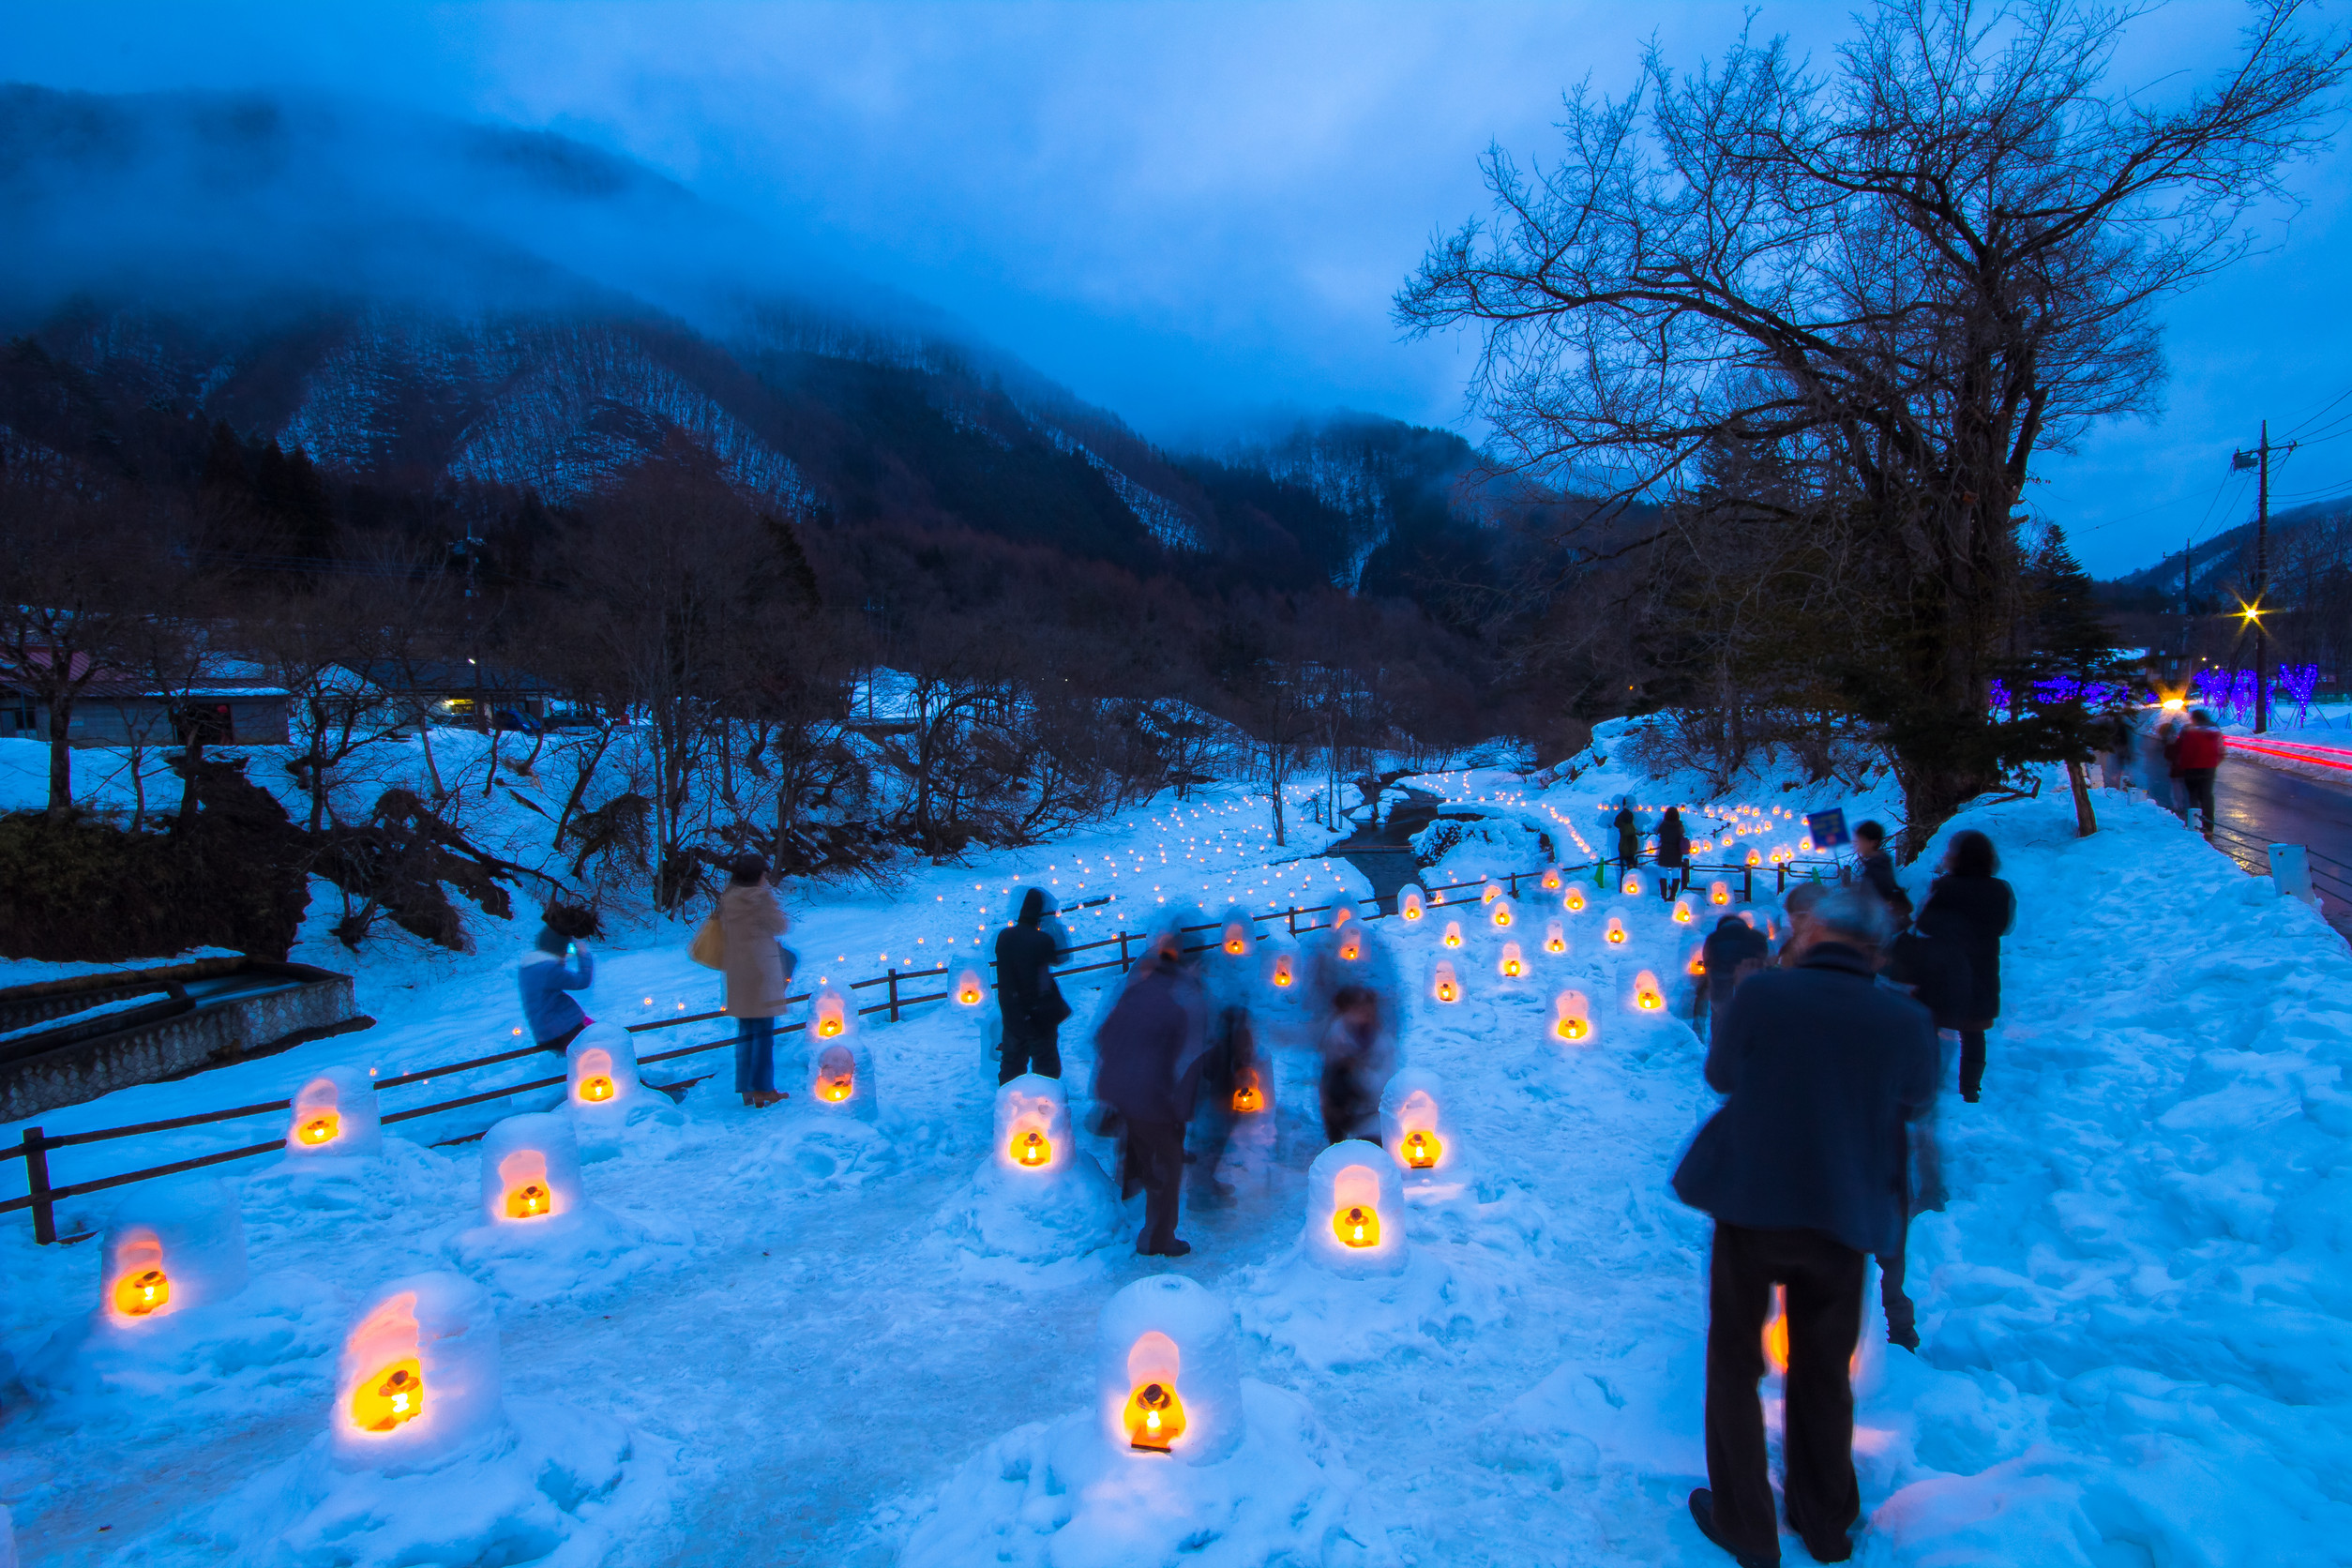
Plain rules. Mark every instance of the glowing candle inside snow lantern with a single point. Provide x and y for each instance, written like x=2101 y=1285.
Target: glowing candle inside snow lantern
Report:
x=970 y=992
x=596 y=1074
x=1350 y=948
x=1631 y=885
x=1421 y=1150
x=1697 y=966
x=334 y=1115
x=1248 y=1097
x=1572 y=900
x=1513 y=966
x=1031 y=1149
x=136 y=1295
x=1155 y=1417
x=1282 y=975
x=1616 y=930
x=1551 y=879
x=1501 y=915
x=1357 y=1224
x=1489 y=893
x=390 y=1397
x=831 y=1016
x=1719 y=893
x=1446 y=988
x=837 y=1073
x=1683 y=915
x=1755 y=859
x=1572 y=1016
x=1454 y=933
x=319 y=1127
x=1646 y=993
x=1236 y=938
x=523 y=1176
x=1556 y=938
x=1409 y=904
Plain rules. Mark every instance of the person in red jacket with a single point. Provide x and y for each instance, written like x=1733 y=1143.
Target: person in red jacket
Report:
x=2199 y=756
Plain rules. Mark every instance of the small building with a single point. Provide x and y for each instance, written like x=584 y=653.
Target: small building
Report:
x=461 y=692
x=226 y=708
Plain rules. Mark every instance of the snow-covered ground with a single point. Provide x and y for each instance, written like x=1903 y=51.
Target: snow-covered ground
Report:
x=786 y=1342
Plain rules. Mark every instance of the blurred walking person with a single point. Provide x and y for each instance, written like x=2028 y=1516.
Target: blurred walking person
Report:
x=1733 y=951
x=2199 y=756
x=1878 y=871
x=1973 y=909
x=1357 y=1062
x=1628 y=836
x=2118 y=741
x=1802 y=1169
x=1028 y=996
x=1149 y=1053
x=758 y=976
x=2168 y=735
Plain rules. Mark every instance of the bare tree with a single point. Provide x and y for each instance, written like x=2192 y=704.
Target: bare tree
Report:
x=1913 y=273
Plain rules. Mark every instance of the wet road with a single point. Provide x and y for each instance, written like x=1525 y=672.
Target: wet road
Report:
x=2255 y=807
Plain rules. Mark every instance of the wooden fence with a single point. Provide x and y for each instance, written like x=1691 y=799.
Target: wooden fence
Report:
x=32 y=1148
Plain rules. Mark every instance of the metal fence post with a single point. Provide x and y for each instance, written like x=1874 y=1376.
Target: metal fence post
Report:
x=36 y=1183
x=1294 y=920
x=1122 y=950
x=1747 y=889
x=894 y=996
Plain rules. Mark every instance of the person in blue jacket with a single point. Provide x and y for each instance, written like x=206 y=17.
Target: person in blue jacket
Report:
x=555 y=966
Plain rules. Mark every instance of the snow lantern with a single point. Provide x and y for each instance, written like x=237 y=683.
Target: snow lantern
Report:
x=1511 y=966
x=600 y=1069
x=1350 y=946
x=1412 y=1127
x=419 y=1377
x=1032 y=1126
x=1411 y=903
x=1632 y=886
x=971 y=989
x=1282 y=974
x=335 y=1114
x=1501 y=915
x=841 y=1078
x=1572 y=900
x=1683 y=915
x=1454 y=933
x=1443 y=984
x=1488 y=890
x=1355 y=1211
x=1755 y=859
x=1239 y=936
x=830 y=1014
x=1616 y=931
x=1719 y=893
x=169 y=1247
x=1555 y=937
x=1647 y=997
x=1551 y=879
x=1253 y=1091
x=1572 y=1017
x=1169 y=1367
x=529 y=1169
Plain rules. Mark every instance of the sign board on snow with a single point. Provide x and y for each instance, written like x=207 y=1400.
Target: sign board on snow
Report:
x=1828 y=828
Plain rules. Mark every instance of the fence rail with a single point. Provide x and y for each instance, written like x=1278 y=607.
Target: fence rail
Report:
x=34 y=1147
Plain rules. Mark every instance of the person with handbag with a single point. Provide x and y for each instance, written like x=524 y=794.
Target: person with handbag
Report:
x=1027 y=994
x=747 y=926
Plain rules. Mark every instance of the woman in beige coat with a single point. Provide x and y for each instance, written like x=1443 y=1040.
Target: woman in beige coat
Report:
x=751 y=921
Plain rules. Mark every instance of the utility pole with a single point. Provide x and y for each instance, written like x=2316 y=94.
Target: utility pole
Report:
x=2260 y=459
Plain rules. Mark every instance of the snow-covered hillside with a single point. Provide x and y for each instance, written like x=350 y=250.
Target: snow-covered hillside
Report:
x=2136 y=1312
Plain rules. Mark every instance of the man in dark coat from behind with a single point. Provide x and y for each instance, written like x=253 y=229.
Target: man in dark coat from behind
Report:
x=1734 y=950
x=1028 y=998
x=1803 y=1169
x=1150 y=1051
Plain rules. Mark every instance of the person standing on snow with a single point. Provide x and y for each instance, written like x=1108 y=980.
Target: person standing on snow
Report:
x=1027 y=994
x=1149 y=1053
x=758 y=979
x=1628 y=838
x=2118 y=741
x=2168 y=735
x=2199 y=757
x=1878 y=871
x=1733 y=951
x=1802 y=1169
x=1673 y=843
x=554 y=965
x=1972 y=908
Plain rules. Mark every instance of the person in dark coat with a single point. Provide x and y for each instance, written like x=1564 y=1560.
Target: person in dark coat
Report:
x=1673 y=843
x=1027 y=995
x=1149 y=1053
x=1628 y=838
x=1878 y=871
x=1802 y=1171
x=1734 y=950
x=1971 y=908
x=1357 y=1063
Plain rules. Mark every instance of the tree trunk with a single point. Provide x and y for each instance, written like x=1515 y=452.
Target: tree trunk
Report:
x=2085 y=822
x=60 y=756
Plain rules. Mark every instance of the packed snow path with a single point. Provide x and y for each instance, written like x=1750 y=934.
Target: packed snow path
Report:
x=2135 y=1311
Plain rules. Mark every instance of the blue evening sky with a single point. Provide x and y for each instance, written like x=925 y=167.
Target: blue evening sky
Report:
x=1196 y=214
